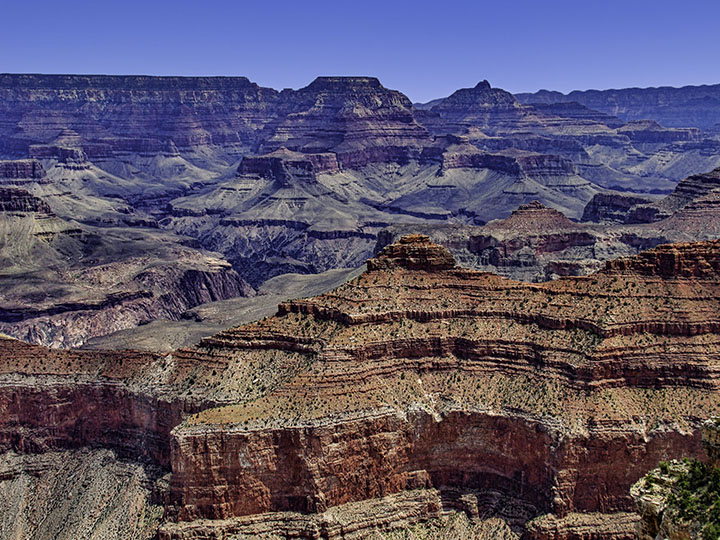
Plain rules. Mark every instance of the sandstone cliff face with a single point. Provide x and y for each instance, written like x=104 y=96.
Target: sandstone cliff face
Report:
x=387 y=444
x=414 y=381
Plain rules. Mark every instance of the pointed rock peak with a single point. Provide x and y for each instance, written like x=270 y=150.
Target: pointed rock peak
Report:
x=533 y=217
x=284 y=153
x=413 y=252
x=481 y=95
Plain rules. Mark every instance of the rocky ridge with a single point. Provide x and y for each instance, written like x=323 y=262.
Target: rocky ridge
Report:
x=537 y=243
x=695 y=106
x=419 y=387
x=625 y=208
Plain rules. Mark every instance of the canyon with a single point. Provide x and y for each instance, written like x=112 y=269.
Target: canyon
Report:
x=415 y=390
x=241 y=183
x=328 y=312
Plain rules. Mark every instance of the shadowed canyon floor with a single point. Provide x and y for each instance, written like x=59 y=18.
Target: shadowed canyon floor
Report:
x=416 y=389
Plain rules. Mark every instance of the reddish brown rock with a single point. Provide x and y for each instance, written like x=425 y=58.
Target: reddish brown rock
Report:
x=413 y=252
x=506 y=398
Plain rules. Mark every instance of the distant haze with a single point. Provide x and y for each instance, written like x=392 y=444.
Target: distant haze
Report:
x=424 y=49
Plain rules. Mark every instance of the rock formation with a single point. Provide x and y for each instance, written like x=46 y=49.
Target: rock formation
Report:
x=689 y=106
x=64 y=282
x=626 y=208
x=303 y=180
x=416 y=389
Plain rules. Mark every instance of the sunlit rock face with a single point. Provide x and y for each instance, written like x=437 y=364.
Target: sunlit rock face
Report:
x=417 y=388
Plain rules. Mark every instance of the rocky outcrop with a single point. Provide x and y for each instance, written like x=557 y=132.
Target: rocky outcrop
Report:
x=537 y=243
x=413 y=252
x=614 y=208
x=303 y=180
x=405 y=437
x=355 y=117
x=678 y=499
x=283 y=164
x=190 y=111
x=489 y=109
x=67 y=495
x=15 y=171
x=650 y=132
x=153 y=291
x=692 y=261
x=14 y=199
x=574 y=110
x=64 y=283
x=586 y=526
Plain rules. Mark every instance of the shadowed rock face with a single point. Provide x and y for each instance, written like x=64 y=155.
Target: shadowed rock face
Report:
x=64 y=282
x=189 y=110
x=356 y=117
x=21 y=169
x=18 y=200
x=622 y=208
x=416 y=388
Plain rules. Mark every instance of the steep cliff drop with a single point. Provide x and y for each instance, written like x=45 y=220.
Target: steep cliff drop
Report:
x=415 y=390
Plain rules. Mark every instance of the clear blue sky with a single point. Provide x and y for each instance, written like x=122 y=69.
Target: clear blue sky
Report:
x=425 y=49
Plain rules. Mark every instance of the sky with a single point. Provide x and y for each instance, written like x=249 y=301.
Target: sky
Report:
x=424 y=49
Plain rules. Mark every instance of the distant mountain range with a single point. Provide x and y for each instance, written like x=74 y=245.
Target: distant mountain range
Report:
x=689 y=106
x=267 y=182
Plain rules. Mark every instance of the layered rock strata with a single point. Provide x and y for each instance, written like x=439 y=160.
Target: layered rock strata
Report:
x=674 y=107
x=361 y=420
x=625 y=208
x=418 y=375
